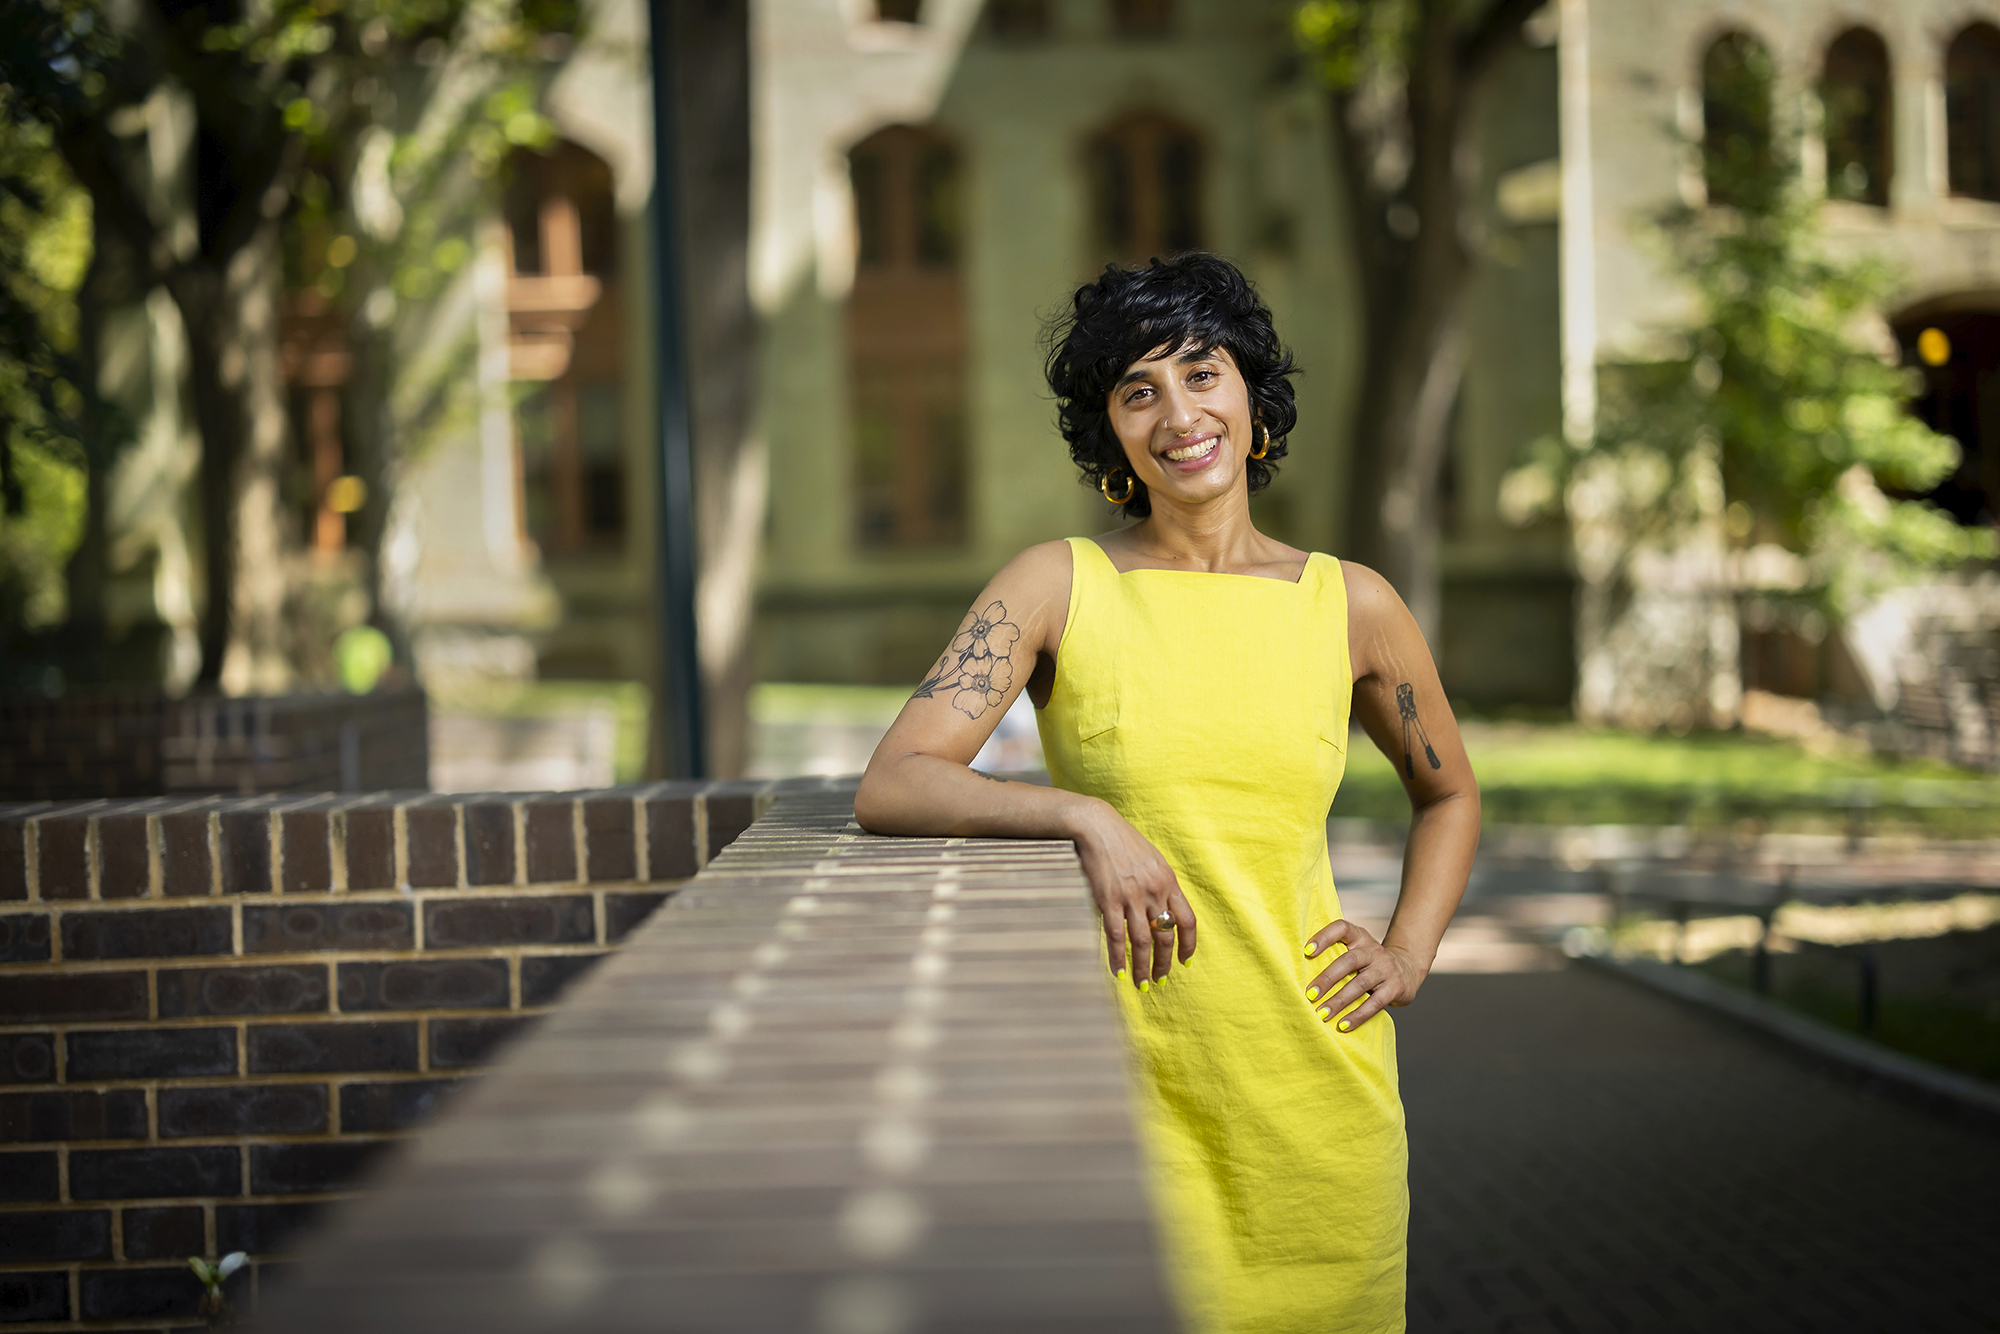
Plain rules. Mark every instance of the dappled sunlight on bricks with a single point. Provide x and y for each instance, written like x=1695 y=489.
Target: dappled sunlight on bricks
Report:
x=838 y=1078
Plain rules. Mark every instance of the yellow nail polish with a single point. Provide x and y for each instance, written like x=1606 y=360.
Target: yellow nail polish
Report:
x=1343 y=1025
x=1311 y=949
x=1326 y=1014
x=1121 y=974
x=1312 y=993
x=1145 y=987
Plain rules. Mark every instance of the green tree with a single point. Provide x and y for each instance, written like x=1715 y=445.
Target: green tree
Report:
x=1405 y=78
x=45 y=398
x=1777 y=415
x=377 y=100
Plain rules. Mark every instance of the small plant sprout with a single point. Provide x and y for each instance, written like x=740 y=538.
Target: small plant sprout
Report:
x=213 y=1304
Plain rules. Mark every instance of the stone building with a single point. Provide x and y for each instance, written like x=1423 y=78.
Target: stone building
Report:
x=929 y=180
x=1895 y=105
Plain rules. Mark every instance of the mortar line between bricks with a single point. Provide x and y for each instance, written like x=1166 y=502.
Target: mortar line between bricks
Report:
x=169 y=1201
x=59 y=1029
x=226 y=963
x=698 y=810
x=215 y=852
x=519 y=809
x=91 y=859
x=31 y=857
x=155 y=870
x=275 y=831
x=399 y=843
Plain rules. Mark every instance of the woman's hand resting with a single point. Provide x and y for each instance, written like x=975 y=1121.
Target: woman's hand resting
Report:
x=1385 y=974
x=1132 y=884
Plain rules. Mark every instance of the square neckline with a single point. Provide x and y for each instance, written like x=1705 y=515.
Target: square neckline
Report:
x=1299 y=582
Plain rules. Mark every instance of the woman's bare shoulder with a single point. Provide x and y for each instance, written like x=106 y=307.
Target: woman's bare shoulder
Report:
x=1044 y=560
x=1369 y=595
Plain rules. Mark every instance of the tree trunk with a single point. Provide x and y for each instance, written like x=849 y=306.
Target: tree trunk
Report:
x=370 y=435
x=1414 y=248
x=230 y=305
x=731 y=469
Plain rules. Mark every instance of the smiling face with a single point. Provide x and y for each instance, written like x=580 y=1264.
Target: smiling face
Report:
x=1183 y=420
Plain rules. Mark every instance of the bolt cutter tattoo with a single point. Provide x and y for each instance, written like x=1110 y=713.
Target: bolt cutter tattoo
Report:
x=977 y=668
x=1406 y=704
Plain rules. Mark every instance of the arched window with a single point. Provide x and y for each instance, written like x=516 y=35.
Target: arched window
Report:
x=1972 y=111
x=566 y=343
x=1854 y=96
x=1146 y=188
x=906 y=341
x=1736 y=119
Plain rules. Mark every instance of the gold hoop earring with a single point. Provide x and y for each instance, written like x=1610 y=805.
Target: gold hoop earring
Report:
x=1104 y=485
x=1264 y=448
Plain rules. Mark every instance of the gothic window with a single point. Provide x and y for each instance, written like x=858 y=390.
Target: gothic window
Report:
x=1142 y=18
x=1972 y=112
x=906 y=342
x=1854 y=96
x=1736 y=119
x=1146 y=185
x=566 y=350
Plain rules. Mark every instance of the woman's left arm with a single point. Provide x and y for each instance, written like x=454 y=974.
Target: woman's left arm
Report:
x=1399 y=702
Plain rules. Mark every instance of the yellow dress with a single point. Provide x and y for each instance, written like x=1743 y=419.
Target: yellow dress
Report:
x=1211 y=710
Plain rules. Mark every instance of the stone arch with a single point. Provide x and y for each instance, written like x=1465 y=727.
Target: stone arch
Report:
x=1146 y=179
x=1972 y=111
x=1738 y=145
x=906 y=341
x=566 y=346
x=1857 y=123
x=1953 y=340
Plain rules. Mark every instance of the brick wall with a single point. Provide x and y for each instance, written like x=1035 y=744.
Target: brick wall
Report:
x=127 y=744
x=215 y=1013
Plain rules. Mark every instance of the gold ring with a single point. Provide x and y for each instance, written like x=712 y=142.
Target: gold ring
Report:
x=1164 y=922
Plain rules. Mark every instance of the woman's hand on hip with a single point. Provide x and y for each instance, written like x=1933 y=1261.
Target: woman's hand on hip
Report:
x=1384 y=974
x=1132 y=886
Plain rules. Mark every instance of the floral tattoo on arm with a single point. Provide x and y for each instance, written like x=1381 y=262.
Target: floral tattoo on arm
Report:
x=977 y=668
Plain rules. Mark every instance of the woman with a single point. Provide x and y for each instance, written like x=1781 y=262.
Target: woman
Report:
x=1194 y=680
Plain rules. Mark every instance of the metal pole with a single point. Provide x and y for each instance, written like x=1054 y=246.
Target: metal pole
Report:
x=678 y=713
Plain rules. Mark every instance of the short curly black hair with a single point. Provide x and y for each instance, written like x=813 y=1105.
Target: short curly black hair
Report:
x=1193 y=299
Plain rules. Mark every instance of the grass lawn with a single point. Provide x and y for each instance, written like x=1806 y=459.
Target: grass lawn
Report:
x=1555 y=773
x=1564 y=773
x=1938 y=1017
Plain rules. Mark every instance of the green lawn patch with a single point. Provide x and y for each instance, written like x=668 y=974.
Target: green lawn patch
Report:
x=1565 y=773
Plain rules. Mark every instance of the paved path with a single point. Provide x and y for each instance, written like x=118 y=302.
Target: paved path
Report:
x=1588 y=1156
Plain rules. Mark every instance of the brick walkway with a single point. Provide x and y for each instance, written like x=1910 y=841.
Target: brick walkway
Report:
x=1587 y=1156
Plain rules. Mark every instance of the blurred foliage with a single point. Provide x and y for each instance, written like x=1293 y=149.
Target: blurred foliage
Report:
x=1572 y=774
x=1785 y=386
x=1354 y=41
x=44 y=251
x=369 y=128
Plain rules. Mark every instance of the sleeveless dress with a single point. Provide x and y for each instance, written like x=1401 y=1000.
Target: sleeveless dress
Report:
x=1211 y=711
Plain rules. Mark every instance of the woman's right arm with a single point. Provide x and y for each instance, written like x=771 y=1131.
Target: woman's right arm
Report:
x=920 y=783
